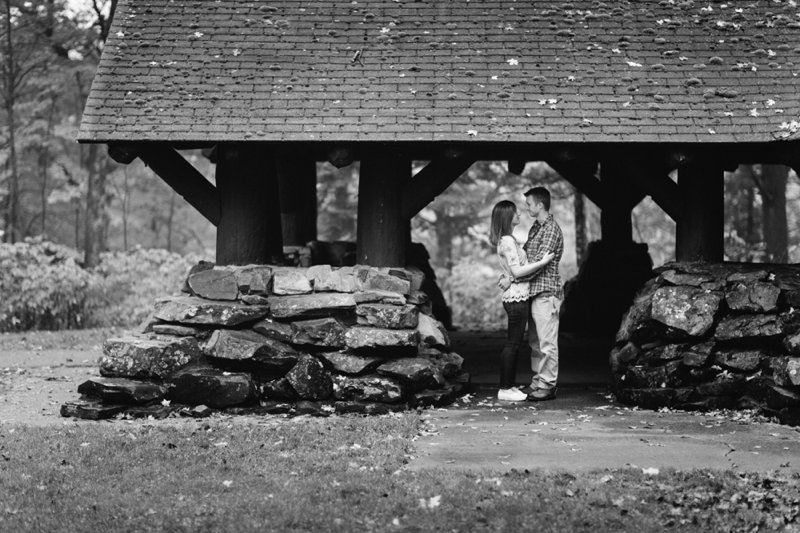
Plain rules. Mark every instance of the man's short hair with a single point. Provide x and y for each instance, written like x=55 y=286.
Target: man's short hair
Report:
x=540 y=195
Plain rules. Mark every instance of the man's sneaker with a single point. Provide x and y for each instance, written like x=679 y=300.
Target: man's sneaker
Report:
x=540 y=395
x=511 y=395
x=527 y=389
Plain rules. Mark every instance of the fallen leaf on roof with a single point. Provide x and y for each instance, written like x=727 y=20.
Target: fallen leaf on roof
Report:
x=513 y=62
x=633 y=64
x=472 y=133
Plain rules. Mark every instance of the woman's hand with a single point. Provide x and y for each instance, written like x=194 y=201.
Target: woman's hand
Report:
x=547 y=257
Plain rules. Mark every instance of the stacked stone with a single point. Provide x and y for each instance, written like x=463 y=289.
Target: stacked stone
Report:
x=709 y=336
x=270 y=339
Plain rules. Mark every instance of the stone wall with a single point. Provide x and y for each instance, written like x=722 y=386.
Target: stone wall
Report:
x=709 y=336
x=271 y=339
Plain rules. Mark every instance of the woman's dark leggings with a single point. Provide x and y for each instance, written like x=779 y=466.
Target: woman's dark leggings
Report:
x=517 y=320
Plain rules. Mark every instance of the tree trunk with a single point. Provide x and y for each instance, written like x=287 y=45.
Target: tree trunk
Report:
x=773 y=195
x=581 y=238
x=12 y=230
x=170 y=220
x=96 y=220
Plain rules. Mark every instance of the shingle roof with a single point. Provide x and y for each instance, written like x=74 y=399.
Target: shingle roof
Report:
x=484 y=70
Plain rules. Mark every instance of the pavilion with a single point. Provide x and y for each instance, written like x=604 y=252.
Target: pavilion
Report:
x=614 y=96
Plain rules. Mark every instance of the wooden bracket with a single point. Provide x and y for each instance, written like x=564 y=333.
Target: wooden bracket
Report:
x=430 y=182
x=581 y=173
x=184 y=179
x=516 y=166
x=654 y=181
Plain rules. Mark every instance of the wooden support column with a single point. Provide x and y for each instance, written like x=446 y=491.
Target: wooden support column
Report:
x=249 y=229
x=699 y=233
x=297 y=182
x=382 y=232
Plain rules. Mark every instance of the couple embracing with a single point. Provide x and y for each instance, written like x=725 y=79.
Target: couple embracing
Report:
x=531 y=293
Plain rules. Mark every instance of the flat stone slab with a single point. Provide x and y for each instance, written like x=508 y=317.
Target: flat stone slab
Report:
x=388 y=316
x=290 y=281
x=147 y=357
x=179 y=331
x=280 y=331
x=347 y=363
x=416 y=372
x=251 y=347
x=383 y=297
x=214 y=284
x=371 y=388
x=91 y=409
x=252 y=279
x=448 y=363
x=310 y=379
x=735 y=327
x=190 y=310
x=686 y=309
x=122 y=390
x=754 y=297
x=311 y=305
x=210 y=386
x=368 y=279
x=432 y=333
x=367 y=338
x=326 y=279
x=320 y=332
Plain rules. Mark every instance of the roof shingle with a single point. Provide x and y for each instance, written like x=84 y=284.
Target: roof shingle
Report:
x=461 y=70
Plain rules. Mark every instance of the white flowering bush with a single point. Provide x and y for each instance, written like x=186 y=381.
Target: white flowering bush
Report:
x=125 y=284
x=43 y=286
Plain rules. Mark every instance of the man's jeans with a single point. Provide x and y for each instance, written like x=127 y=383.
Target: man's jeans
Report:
x=543 y=338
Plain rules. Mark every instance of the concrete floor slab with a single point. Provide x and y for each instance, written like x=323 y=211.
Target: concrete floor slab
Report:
x=584 y=430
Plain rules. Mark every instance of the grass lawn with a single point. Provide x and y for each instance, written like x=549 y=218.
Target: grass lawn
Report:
x=340 y=474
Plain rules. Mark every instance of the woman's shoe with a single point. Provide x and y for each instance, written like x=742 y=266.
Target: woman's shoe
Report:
x=511 y=395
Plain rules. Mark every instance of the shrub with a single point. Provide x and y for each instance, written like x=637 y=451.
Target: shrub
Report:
x=42 y=286
x=126 y=284
x=472 y=291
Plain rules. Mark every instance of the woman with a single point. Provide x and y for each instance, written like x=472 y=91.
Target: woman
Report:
x=516 y=299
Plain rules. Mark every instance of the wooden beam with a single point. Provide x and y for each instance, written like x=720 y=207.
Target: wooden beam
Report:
x=297 y=183
x=581 y=173
x=430 y=182
x=249 y=229
x=699 y=235
x=382 y=232
x=186 y=180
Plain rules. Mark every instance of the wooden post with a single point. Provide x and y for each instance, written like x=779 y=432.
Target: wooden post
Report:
x=382 y=232
x=699 y=234
x=297 y=182
x=249 y=229
x=616 y=227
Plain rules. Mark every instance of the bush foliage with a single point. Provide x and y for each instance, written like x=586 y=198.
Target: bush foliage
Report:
x=43 y=286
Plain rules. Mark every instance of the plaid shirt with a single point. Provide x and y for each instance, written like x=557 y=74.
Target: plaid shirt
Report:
x=542 y=238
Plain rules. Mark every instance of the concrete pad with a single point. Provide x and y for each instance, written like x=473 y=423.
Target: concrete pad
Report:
x=584 y=430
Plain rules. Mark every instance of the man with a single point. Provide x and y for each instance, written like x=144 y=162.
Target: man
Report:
x=546 y=295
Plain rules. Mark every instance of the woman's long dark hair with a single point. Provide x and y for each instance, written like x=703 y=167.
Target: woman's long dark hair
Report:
x=502 y=216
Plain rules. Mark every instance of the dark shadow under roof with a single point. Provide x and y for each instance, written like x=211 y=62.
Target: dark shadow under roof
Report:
x=456 y=70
